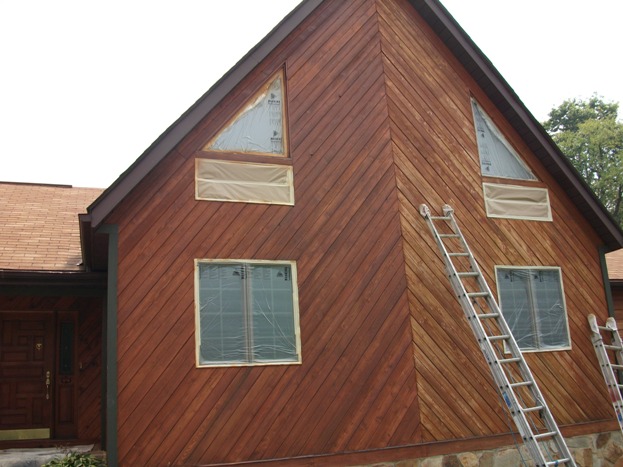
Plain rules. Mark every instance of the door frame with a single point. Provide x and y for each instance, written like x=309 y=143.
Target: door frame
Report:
x=61 y=384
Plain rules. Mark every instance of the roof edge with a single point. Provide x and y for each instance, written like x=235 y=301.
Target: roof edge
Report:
x=497 y=89
x=173 y=135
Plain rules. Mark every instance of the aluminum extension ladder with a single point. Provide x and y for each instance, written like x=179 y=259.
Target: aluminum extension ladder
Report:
x=513 y=378
x=610 y=355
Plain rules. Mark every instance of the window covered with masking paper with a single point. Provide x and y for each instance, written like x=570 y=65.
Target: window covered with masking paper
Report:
x=497 y=156
x=532 y=302
x=259 y=128
x=247 y=313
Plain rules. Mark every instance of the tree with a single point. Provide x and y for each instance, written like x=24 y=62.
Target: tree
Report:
x=588 y=133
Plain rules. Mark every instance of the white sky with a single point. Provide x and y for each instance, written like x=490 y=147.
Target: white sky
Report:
x=86 y=87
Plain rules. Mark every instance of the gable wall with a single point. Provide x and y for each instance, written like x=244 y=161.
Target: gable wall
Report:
x=379 y=122
x=435 y=152
x=356 y=386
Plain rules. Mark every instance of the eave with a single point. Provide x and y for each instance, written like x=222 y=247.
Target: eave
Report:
x=52 y=283
x=464 y=49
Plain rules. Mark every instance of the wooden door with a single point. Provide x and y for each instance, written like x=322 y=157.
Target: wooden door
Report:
x=26 y=371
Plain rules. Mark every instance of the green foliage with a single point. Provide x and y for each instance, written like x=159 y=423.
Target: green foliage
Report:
x=76 y=459
x=588 y=133
x=571 y=113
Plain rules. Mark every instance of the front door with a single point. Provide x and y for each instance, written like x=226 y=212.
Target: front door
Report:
x=27 y=345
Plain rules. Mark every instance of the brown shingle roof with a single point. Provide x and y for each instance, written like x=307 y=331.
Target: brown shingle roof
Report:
x=39 y=228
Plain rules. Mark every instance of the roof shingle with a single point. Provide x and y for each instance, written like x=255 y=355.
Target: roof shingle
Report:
x=39 y=226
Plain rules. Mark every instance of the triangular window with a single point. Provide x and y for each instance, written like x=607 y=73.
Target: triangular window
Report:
x=259 y=128
x=497 y=156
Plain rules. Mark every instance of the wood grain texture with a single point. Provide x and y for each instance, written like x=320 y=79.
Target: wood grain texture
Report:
x=379 y=121
x=88 y=352
x=355 y=388
x=437 y=162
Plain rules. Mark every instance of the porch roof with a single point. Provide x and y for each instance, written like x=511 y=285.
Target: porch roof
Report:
x=40 y=229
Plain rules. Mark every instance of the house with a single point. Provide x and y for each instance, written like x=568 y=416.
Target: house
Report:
x=272 y=294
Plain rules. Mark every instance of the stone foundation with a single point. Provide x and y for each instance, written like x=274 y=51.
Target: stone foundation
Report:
x=596 y=450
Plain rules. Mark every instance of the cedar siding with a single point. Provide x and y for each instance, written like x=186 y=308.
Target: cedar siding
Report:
x=379 y=121
x=355 y=389
x=436 y=156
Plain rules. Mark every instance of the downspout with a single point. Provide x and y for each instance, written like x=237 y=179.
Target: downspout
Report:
x=604 y=273
x=110 y=340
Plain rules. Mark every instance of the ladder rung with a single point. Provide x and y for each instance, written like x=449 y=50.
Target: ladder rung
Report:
x=449 y=236
x=467 y=274
x=549 y=434
x=617 y=367
x=487 y=315
x=520 y=384
x=501 y=337
x=612 y=347
x=509 y=360
x=532 y=409
x=458 y=254
x=440 y=218
x=477 y=294
x=558 y=461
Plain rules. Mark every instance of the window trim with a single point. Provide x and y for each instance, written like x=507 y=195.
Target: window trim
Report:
x=474 y=104
x=279 y=74
x=295 y=312
x=564 y=302
x=259 y=197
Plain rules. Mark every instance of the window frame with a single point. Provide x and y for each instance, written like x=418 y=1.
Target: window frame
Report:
x=532 y=311
x=257 y=187
x=240 y=111
x=516 y=188
x=295 y=312
x=475 y=105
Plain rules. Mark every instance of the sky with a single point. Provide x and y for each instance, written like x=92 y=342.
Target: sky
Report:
x=86 y=86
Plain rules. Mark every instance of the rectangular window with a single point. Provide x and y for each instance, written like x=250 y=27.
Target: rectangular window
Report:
x=247 y=312
x=533 y=305
x=517 y=202
x=243 y=182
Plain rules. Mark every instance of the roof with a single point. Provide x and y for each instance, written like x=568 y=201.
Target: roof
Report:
x=40 y=230
x=464 y=49
x=615 y=265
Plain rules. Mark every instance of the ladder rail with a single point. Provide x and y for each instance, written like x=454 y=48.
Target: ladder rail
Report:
x=606 y=365
x=507 y=388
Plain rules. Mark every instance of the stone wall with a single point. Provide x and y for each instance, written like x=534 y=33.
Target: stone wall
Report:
x=596 y=450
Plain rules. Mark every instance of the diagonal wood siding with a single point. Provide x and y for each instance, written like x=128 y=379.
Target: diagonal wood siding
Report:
x=356 y=387
x=379 y=121
x=436 y=157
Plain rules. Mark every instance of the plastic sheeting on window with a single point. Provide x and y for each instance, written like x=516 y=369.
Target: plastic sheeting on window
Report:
x=259 y=128
x=533 y=305
x=497 y=156
x=517 y=202
x=243 y=182
x=248 y=314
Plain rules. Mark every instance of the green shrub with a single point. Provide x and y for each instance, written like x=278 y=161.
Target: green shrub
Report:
x=76 y=459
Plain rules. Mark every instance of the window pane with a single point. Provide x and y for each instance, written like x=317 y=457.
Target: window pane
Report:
x=259 y=127
x=497 y=156
x=550 y=315
x=246 y=313
x=516 y=305
x=272 y=313
x=221 y=314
